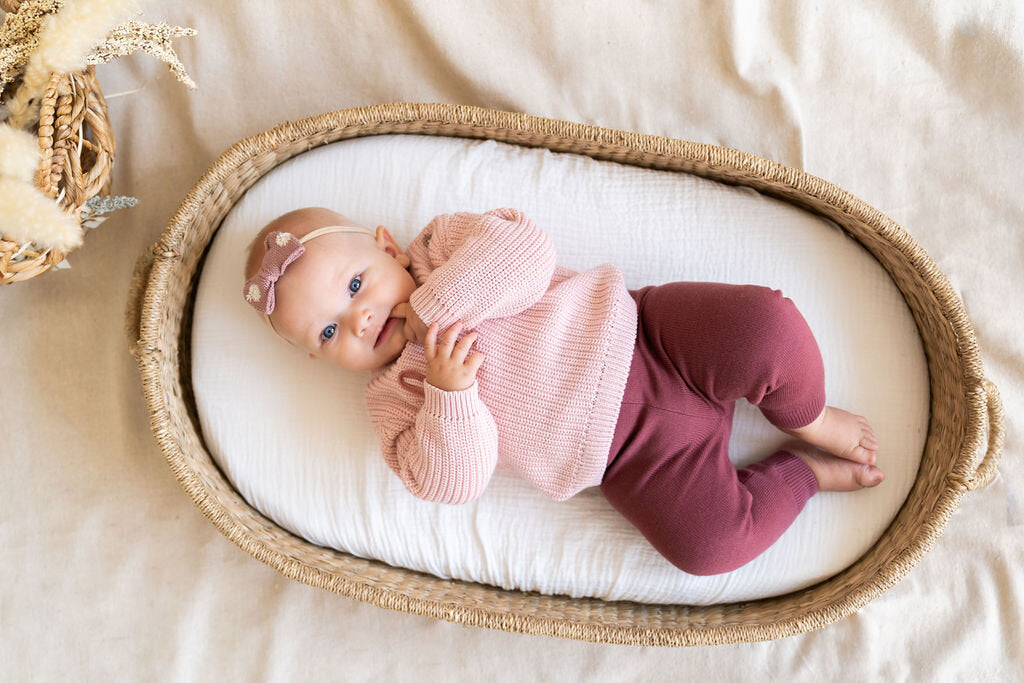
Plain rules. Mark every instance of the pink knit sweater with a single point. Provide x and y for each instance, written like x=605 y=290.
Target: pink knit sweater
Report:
x=558 y=346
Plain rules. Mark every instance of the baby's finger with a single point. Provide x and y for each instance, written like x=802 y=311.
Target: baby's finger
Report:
x=475 y=361
x=449 y=339
x=430 y=342
x=462 y=348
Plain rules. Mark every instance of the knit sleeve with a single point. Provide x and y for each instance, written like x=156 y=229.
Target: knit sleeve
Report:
x=491 y=265
x=448 y=454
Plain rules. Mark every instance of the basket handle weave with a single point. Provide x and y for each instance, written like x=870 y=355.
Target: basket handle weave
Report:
x=986 y=469
x=133 y=306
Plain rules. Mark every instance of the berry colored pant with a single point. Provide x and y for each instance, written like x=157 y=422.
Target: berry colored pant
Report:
x=701 y=346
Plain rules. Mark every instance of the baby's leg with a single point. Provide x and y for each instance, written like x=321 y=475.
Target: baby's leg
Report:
x=701 y=347
x=740 y=341
x=691 y=504
x=749 y=341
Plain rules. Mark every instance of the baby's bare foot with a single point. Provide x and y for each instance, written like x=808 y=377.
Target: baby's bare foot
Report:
x=842 y=434
x=832 y=473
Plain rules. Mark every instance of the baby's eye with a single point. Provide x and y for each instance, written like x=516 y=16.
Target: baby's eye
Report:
x=328 y=332
x=357 y=281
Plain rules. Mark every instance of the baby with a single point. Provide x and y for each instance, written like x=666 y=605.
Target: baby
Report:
x=481 y=349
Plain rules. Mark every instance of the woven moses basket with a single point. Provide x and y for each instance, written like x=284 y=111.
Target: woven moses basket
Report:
x=960 y=454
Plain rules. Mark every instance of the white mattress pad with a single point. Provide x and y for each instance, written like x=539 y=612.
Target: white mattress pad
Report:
x=295 y=439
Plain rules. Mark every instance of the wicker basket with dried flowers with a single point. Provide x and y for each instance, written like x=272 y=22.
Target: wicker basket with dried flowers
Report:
x=55 y=187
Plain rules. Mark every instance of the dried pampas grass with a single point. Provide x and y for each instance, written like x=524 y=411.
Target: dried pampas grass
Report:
x=26 y=214
x=65 y=39
x=19 y=154
x=30 y=216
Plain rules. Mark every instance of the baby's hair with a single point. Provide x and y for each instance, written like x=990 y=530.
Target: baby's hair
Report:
x=299 y=222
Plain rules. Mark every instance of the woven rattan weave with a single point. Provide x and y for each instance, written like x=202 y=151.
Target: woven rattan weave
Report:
x=961 y=453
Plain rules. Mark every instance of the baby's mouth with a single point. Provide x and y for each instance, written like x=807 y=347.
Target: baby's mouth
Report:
x=385 y=330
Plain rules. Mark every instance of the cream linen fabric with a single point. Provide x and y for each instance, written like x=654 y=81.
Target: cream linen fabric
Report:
x=295 y=438
x=110 y=572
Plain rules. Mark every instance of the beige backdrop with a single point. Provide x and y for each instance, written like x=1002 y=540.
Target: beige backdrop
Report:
x=109 y=571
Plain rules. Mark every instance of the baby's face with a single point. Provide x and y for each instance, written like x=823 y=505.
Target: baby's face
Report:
x=336 y=299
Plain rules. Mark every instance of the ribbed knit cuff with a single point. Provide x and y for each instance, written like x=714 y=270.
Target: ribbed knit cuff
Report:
x=797 y=474
x=451 y=404
x=429 y=309
x=794 y=419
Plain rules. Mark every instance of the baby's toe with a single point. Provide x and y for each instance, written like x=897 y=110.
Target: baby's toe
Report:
x=861 y=455
x=868 y=476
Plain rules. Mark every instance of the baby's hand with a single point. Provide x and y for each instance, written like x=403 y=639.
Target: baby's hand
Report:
x=414 y=329
x=447 y=367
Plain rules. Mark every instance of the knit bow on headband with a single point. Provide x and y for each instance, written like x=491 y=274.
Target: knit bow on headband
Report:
x=282 y=249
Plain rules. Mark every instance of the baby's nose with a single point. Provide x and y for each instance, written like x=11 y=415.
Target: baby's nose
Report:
x=362 y=321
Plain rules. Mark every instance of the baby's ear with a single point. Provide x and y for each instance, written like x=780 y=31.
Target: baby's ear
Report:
x=393 y=248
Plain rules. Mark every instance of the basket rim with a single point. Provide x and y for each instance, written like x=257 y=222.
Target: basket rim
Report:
x=720 y=163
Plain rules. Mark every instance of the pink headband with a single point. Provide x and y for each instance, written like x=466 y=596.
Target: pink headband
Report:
x=282 y=249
